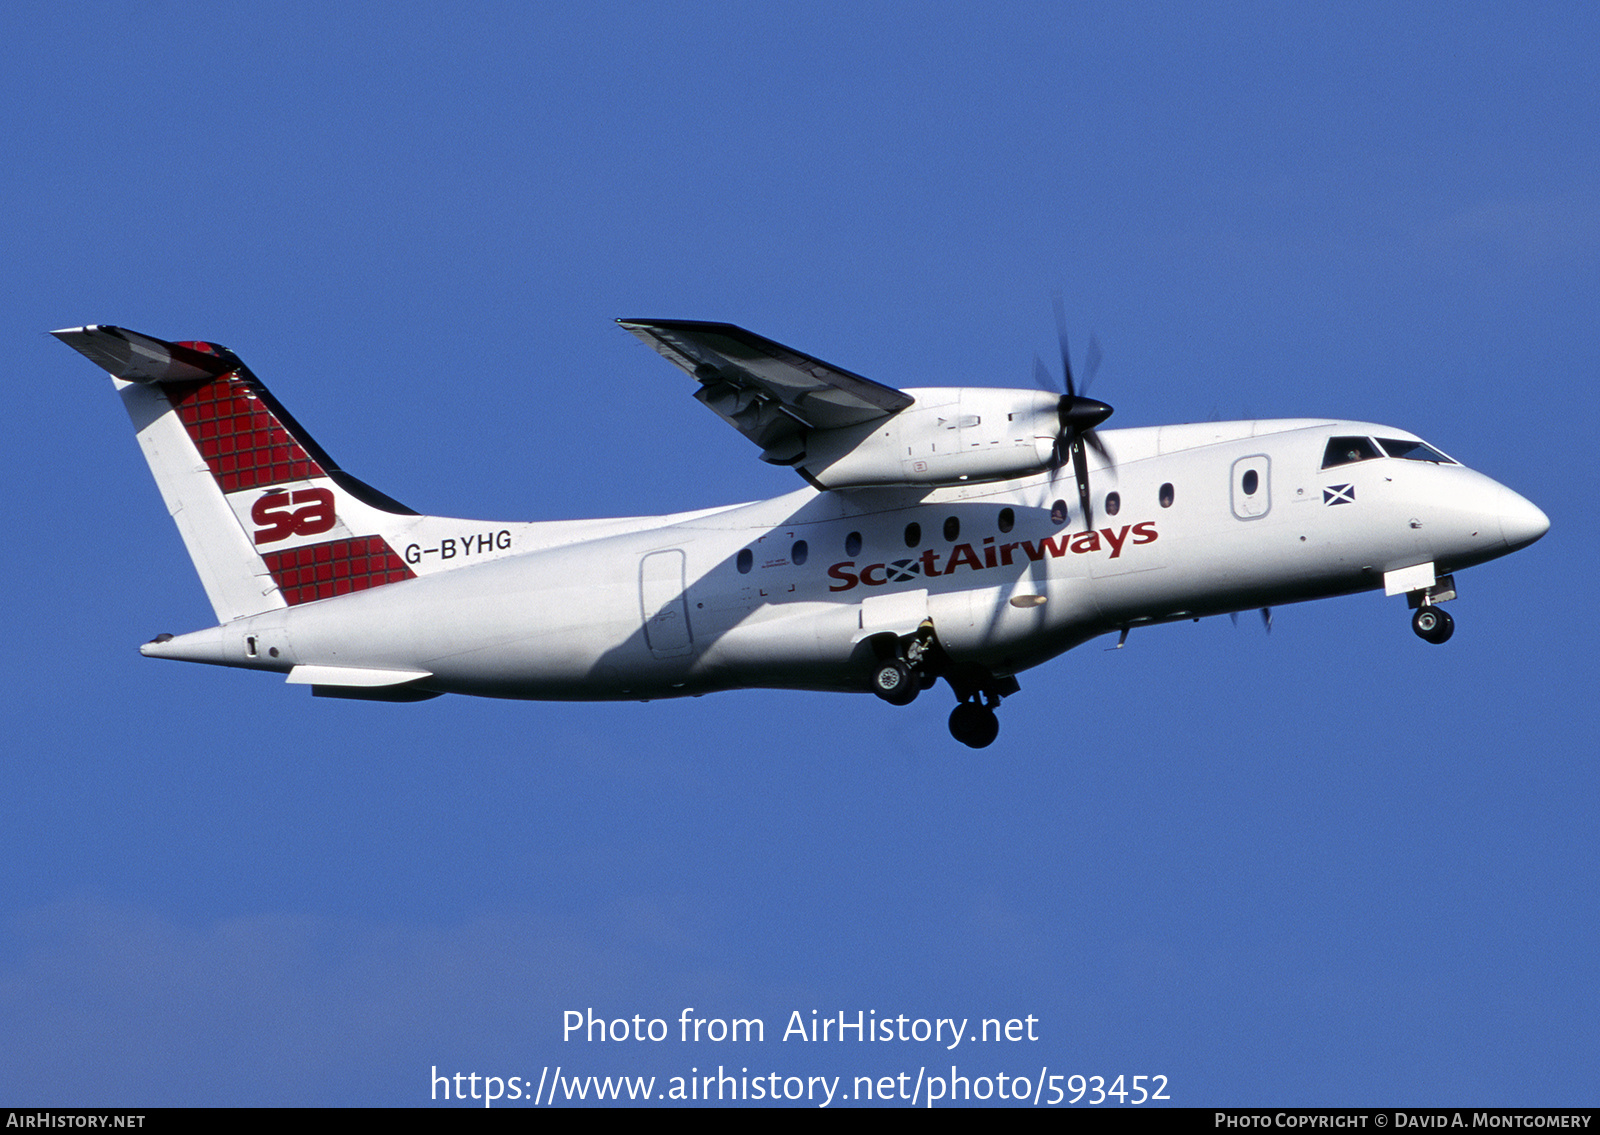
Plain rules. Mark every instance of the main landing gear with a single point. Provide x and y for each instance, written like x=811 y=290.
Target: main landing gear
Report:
x=1433 y=624
x=913 y=667
x=907 y=666
x=896 y=682
x=974 y=723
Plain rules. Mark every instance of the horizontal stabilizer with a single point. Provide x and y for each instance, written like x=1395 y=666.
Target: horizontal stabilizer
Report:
x=133 y=357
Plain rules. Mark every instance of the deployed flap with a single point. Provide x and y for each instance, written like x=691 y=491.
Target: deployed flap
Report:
x=770 y=393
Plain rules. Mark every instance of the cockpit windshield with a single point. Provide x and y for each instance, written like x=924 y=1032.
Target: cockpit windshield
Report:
x=1348 y=450
x=1412 y=450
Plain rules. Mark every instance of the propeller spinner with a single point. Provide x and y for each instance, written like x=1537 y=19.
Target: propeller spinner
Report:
x=1078 y=415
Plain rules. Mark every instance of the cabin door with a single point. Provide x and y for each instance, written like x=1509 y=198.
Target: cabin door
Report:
x=664 y=604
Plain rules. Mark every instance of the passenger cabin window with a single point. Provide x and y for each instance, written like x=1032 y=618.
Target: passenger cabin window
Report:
x=744 y=560
x=1167 y=495
x=952 y=528
x=1250 y=482
x=1008 y=519
x=913 y=534
x=799 y=552
x=1058 y=512
x=1348 y=450
x=1413 y=450
x=852 y=545
x=1113 y=503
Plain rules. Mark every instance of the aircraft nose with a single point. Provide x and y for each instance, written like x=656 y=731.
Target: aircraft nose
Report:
x=1521 y=521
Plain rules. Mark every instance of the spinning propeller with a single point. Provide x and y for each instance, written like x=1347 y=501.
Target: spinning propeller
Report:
x=1078 y=415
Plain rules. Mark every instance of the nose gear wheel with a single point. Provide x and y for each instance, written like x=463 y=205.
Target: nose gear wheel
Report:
x=1433 y=624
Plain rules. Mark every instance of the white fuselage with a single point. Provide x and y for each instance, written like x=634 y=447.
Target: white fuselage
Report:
x=783 y=593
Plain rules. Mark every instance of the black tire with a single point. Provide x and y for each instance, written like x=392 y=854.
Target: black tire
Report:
x=895 y=683
x=974 y=725
x=1433 y=625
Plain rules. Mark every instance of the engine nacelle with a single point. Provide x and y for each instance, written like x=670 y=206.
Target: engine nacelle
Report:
x=949 y=435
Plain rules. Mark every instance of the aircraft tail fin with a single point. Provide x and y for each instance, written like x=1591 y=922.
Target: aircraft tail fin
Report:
x=268 y=518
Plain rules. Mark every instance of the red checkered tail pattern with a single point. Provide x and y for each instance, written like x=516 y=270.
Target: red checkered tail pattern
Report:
x=269 y=520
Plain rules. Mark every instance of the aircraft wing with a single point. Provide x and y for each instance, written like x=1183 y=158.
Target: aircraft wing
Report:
x=772 y=394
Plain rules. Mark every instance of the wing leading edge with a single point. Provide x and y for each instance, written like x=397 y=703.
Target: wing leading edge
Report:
x=772 y=394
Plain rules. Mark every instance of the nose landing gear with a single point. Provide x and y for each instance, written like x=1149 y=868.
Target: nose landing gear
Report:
x=1433 y=624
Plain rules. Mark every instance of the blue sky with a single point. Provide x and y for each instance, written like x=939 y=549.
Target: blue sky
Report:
x=1329 y=865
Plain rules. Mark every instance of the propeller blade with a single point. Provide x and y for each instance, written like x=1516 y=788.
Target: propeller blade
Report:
x=1066 y=354
x=1077 y=414
x=1091 y=362
x=1080 y=466
x=1041 y=376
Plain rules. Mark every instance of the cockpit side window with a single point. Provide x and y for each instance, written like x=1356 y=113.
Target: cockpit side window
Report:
x=1348 y=450
x=1413 y=450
